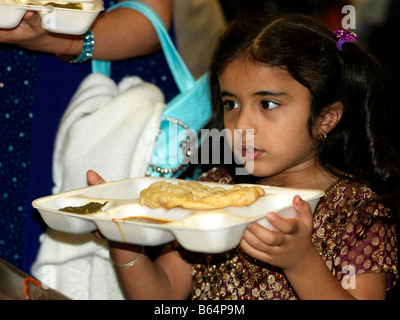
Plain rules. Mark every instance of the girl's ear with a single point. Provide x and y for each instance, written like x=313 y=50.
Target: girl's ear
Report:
x=329 y=118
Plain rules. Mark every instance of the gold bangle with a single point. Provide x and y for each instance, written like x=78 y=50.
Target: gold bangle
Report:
x=129 y=264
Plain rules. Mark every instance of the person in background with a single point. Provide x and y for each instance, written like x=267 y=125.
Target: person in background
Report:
x=36 y=85
x=198 y=23
x=50 y=79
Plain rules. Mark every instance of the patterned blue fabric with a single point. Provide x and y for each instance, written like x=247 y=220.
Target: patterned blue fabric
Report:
x=35 y=89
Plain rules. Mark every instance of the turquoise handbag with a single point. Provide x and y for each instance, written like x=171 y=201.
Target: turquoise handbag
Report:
x=184 y=116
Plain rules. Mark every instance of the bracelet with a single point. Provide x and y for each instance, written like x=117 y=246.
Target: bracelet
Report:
x=129 y=264
x=87 y=49
x=66 y=51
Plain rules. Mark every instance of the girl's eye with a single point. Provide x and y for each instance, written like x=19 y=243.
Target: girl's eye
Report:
x=230 y=105
x=265 y=104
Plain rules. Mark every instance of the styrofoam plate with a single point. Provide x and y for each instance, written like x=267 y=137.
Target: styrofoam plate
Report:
x=209 y=231
x=54 y=19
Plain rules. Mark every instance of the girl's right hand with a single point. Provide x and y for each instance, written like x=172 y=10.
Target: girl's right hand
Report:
x=94 y=178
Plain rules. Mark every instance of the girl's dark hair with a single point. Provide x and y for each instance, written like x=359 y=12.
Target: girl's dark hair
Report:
x=306 y=48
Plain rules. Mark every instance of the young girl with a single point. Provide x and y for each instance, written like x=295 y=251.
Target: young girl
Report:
x=313 y=104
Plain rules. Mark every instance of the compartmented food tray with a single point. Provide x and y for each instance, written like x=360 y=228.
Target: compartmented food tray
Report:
x=123 y=219
x=67 y=17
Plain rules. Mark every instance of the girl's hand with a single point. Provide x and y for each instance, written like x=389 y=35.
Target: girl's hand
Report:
x=288 y=244
x=94 y=178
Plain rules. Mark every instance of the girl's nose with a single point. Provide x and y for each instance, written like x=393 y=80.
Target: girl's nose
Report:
x=246 y=120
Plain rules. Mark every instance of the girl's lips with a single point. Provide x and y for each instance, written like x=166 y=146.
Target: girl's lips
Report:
x=250 y=153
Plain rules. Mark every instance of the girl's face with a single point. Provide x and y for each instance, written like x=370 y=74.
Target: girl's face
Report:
x=275 y=107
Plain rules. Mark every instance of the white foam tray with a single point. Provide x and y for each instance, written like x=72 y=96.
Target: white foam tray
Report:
x=210 y=231
x=54 y=19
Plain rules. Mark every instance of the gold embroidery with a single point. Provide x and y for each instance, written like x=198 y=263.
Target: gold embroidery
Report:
x=235 y=275
x=337 y=233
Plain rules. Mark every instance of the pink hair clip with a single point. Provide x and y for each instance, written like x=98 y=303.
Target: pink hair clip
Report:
x=344 y=36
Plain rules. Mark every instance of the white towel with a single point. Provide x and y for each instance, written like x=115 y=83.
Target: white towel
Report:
x=111 y=129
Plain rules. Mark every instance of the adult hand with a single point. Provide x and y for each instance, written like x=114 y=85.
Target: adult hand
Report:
x=287 y=244
x=120 y=34
x=30 y=34
x=29 y=29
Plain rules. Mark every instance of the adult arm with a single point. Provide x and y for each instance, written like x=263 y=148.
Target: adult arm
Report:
x=119 y=34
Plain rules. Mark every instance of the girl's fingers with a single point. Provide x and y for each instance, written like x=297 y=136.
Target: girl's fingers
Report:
x=290 y=226
x=303 y=210
x=260 y=237
x=286 y=226
x=94 y=178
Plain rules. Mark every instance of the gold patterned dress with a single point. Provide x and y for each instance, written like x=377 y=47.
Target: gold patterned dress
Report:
x=348 y=240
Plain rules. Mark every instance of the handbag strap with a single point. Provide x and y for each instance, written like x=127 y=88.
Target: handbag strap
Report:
x=182 y=76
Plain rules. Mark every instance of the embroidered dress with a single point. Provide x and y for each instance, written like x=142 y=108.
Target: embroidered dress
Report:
x=348 y=240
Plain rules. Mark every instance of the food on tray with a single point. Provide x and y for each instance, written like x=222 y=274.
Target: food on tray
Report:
x=70 y=5
x=146 y=220
x=196 y=196
x=91 y=207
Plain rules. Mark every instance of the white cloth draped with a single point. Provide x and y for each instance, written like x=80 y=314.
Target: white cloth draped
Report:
x=110 y=128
